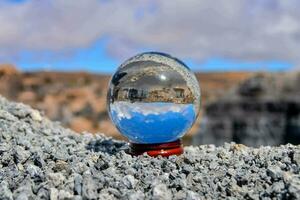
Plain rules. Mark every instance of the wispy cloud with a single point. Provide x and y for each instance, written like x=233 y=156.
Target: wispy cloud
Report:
x=191 y=29
x=127 y=109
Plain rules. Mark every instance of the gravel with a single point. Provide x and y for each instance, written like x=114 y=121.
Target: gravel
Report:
x=39 y=159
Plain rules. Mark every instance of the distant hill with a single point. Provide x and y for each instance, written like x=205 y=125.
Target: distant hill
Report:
x=263 y=110
x=78 y=99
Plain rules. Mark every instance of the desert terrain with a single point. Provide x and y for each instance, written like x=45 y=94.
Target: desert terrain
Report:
x=78 y=99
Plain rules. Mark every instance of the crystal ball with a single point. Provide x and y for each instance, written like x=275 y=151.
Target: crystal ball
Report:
x=153 y=98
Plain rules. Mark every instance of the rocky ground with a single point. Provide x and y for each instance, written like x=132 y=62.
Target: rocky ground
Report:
x=41 y=160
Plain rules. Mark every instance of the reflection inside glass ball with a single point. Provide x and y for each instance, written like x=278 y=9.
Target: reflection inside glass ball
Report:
x=153 y=98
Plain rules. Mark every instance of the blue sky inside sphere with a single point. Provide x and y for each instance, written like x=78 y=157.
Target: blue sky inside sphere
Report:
x=97 y=36
x=155 y=122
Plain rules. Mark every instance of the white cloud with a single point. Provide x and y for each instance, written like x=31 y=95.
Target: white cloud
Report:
x=127 y=109
x=239 y=29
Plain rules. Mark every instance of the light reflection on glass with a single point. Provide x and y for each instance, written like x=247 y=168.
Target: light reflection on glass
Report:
x=153 y=98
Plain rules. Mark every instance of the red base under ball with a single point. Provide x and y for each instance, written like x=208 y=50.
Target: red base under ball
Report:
x=162 y=149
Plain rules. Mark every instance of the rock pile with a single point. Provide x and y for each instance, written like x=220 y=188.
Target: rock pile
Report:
x=41 y=160
x=264 y=110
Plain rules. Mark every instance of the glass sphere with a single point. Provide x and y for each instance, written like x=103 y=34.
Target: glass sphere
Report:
x=153 y=98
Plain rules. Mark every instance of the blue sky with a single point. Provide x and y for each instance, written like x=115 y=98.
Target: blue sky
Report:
x=95 y=60
x=97 y=36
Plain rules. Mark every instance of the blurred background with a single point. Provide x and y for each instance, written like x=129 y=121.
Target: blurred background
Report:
x=58 y=56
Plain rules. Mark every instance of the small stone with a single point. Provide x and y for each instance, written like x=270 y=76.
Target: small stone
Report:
x=56 y=178
x=231 y=171
x=136 y=195
x=129 y=181
x=275 y=172
x=61 y=154
x=115 y=192
x=5 y=192
x=294 y=187
x=179 y=195
x=64 y=195
x=278 y=186
x=77 y=197
x=20 y=154
x=101 y=164
x=77 y=184
x=4 y=147
x=161 y=191
x=38 y=160
x=53 y=194
x=34 y=171
x=187 y=169
x=238 y=147
x=22 y=196
x=104 y=195
x=192 y=196
x=213 y=165
x=60 y=165
x=89 y=188
x=24 y=190
x=43 y=193
x=296 y=157
x=20 y=167
x=36 y=116
x=7 y=116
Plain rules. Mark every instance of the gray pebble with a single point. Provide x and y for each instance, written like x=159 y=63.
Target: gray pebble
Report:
x=129 y=181
x=20 y=154
x=275 y=172
x=161 y=191
x=5 y=192
x=136 y=195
